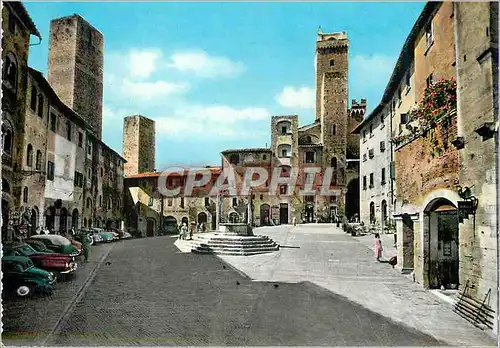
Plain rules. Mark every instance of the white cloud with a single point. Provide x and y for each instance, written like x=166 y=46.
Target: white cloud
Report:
x=142 y=63
x=203 y=65
x=303 y=97
x=152 y=90
x=213 y=120
x=372 y=71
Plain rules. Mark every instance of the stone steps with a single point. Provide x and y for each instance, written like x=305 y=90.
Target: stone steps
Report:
x=232 y=244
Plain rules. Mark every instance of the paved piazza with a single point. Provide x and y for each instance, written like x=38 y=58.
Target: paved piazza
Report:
x=322 y=288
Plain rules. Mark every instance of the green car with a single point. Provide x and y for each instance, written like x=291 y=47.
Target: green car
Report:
x=57 y=243
x=21 y=277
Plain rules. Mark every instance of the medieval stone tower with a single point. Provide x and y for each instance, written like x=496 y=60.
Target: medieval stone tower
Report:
x=76 y=67
x=331 y=65
x=138 y=144
x=340 y=147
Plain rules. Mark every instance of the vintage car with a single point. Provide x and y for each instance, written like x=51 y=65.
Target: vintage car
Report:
x=125 y=235
x=57 y=243
x=21 y=277
x=38 y=245
x=60 y=264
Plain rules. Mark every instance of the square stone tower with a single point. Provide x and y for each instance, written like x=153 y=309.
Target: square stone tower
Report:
x=139 y=144
x=331 y=64
x=76 y=67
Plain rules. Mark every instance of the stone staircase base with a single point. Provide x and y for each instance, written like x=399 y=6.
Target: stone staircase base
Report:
x=232 y=244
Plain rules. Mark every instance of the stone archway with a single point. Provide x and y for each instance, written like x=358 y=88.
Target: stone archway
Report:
x=74 y=219
x=202 y=218
x=150 y=229
x=34 y=220
x=63 y=220
x=352 y=199
x=441 y=244
x=170 y=225
x=50 y=218
x=265 y=210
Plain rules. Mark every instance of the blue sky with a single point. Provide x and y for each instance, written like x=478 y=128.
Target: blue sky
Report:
x=212 y=74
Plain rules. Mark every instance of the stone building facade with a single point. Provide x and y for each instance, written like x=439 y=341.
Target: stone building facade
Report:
x=476 y=40
x=139 y=144
x=443 y=153
x=323 y=145
x=57 y=166
x=17 y=28
x=76 y=58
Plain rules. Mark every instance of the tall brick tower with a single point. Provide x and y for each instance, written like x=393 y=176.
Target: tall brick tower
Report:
x=331 y=64
x=76 y=67
x=138 y=144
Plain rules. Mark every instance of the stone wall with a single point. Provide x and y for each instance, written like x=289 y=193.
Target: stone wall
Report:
x=477 y=81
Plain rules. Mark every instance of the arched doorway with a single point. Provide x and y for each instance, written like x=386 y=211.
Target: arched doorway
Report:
x=372 y=213
x=383 y=210
x=441 y=261
x=49 y=218
x=63 y=220
x=33 y=220
x=150 y=231
x=265 y=209
x=202 y=218
x=309 y=213
x=234 y=217
x=170 y=225
x=352 y=199
x=74 y=219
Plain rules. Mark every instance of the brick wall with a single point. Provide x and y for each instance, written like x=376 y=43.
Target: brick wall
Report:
x=422 y=168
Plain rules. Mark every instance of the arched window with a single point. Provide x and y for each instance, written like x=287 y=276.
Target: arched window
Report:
x=100 y=201
x=29 y=156
x=334 y=129
x=10 y=73
x=38 y=160
x=89 y=203
x=7 y=137
x=25 y=195
x=110 y=203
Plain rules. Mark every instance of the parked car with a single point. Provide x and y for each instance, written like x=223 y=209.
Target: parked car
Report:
x=126 y=235
x=21 y=277
x=105 y=237
x=93 y=238
x=38 y=245
x=57 y=243
x=60 y=264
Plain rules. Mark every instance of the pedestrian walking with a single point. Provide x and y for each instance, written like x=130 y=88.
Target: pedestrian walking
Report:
x=377 y=247
x=184 y=231
x=85 y=247
x=294 y=219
